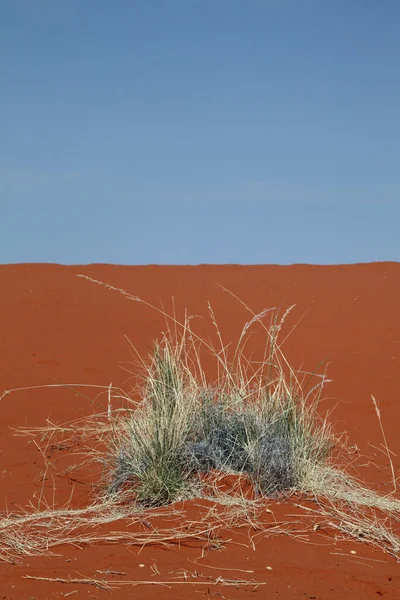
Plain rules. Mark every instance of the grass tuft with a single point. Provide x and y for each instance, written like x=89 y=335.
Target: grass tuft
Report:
x=254 y=418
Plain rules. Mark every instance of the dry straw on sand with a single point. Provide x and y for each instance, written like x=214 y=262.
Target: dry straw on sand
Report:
x=178 y=435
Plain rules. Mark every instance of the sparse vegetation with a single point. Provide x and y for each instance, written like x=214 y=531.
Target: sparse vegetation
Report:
x=180 y=433
x=253 y=419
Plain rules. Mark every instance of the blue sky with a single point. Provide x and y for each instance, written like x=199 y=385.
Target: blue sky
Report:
x=199 y=131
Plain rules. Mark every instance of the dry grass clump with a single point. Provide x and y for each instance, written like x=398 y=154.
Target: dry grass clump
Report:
x=258 y=419
x=148 y=447
x=253 y=419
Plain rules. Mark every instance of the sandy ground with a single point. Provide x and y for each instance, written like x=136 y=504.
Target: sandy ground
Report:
x=56 y=327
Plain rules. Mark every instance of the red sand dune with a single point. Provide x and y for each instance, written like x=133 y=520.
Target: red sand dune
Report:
x=59 y=328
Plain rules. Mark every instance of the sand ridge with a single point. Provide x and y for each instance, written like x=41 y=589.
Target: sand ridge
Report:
x=59 y=328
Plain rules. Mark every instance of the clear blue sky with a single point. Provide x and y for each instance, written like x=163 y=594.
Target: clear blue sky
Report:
x=199 y=131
